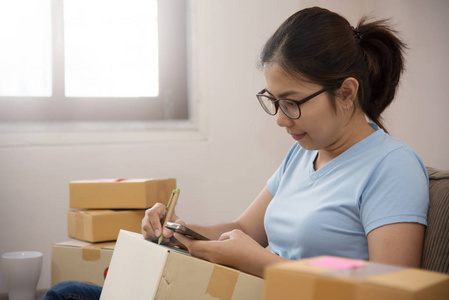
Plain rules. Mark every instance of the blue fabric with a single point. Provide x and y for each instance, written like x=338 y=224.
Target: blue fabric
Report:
x=73 y=290
x=376 y=182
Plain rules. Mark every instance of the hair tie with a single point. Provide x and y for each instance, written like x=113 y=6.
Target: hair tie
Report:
x=357 y=33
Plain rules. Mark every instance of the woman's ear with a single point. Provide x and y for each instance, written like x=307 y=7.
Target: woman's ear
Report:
x=348 y=92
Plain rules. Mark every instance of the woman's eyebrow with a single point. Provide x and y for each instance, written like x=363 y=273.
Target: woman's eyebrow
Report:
x=284 y=94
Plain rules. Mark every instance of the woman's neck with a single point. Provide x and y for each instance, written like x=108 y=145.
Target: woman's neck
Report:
x=356 y=130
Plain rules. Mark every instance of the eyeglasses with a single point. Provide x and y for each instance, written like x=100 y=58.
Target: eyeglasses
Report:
x=289 y=107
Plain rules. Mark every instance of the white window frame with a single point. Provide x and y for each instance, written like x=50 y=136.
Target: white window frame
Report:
x=115 y=132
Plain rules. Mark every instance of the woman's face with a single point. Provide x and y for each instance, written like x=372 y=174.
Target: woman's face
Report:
x=320 y=126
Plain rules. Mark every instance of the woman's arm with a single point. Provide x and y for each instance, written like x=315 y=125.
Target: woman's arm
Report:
x=397 y=244
x=251 y=221
x=240 y=244
x=234 y=249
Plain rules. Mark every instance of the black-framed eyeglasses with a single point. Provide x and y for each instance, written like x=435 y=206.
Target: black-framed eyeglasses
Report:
x=289 y=107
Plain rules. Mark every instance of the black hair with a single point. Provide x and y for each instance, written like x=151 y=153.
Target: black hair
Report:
x=321 y=46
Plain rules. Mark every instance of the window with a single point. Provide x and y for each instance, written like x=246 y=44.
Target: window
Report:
x=93 y=60
x=24 y=72
x=111 y=48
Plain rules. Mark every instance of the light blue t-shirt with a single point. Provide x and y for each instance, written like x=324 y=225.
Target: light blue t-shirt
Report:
x=376 y=182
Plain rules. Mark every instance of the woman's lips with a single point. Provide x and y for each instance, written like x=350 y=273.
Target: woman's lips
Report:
x=298 y=136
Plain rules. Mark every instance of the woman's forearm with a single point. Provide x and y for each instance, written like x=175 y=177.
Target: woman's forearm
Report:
x=256 y=263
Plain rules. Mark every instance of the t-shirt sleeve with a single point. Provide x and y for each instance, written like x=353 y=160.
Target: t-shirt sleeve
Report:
x=398 y=191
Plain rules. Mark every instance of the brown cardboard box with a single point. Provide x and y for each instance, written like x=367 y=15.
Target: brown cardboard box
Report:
x=102 y=225
x=80 y=261
x=144 y=270
x=120 y=194
x=328 y=277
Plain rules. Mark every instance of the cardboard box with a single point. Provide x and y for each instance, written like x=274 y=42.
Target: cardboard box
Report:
x=80 y=261
x=328 y=277
x=147 y=270
x=102 y=225
x=119 y=193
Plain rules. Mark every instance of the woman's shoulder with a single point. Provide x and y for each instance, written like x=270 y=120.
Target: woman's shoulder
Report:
x=392 y=153
x=382 y=143
x=392 y=145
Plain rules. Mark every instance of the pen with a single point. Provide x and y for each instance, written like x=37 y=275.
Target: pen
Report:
x=171 y=208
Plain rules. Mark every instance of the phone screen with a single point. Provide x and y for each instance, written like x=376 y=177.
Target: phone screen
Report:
x=184 y=230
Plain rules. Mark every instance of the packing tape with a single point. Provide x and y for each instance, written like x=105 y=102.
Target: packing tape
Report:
x=93 y=251
x=222 y=282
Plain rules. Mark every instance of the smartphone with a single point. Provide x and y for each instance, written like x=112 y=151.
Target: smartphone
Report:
x=184 y=230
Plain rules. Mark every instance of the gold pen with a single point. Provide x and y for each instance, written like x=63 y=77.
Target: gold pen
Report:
x=171 y=209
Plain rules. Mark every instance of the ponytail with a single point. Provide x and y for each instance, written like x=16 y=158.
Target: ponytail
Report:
x=322 y=46
x=384 y=60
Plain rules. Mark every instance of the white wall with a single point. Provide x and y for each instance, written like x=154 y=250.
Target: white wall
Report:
x=221 y=174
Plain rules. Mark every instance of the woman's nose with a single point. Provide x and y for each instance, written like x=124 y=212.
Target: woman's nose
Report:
x=282 y=120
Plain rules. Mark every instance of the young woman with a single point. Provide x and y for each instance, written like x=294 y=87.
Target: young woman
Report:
x=346 y=188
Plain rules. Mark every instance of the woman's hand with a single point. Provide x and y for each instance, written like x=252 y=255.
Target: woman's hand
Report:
x=234 y=249
x=152 y=225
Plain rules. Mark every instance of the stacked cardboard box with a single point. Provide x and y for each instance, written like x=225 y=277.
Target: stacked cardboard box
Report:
x=99 y=209
x=80 y=261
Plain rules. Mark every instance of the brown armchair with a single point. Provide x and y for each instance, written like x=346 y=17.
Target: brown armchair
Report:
x=436 y=240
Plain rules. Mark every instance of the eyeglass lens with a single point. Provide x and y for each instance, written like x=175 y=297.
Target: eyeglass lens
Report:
x=290 y=108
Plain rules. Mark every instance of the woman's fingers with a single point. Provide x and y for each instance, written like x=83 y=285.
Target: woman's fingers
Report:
x=167 y=232
x=202 y=249
x=151 y=223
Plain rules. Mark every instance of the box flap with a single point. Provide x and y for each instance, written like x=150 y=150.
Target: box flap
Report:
x=72 y=243
x=102 y=212
x=82 y=244
x=109 y=180
x=92 y=212
x=89 y=251
x=138 y=274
